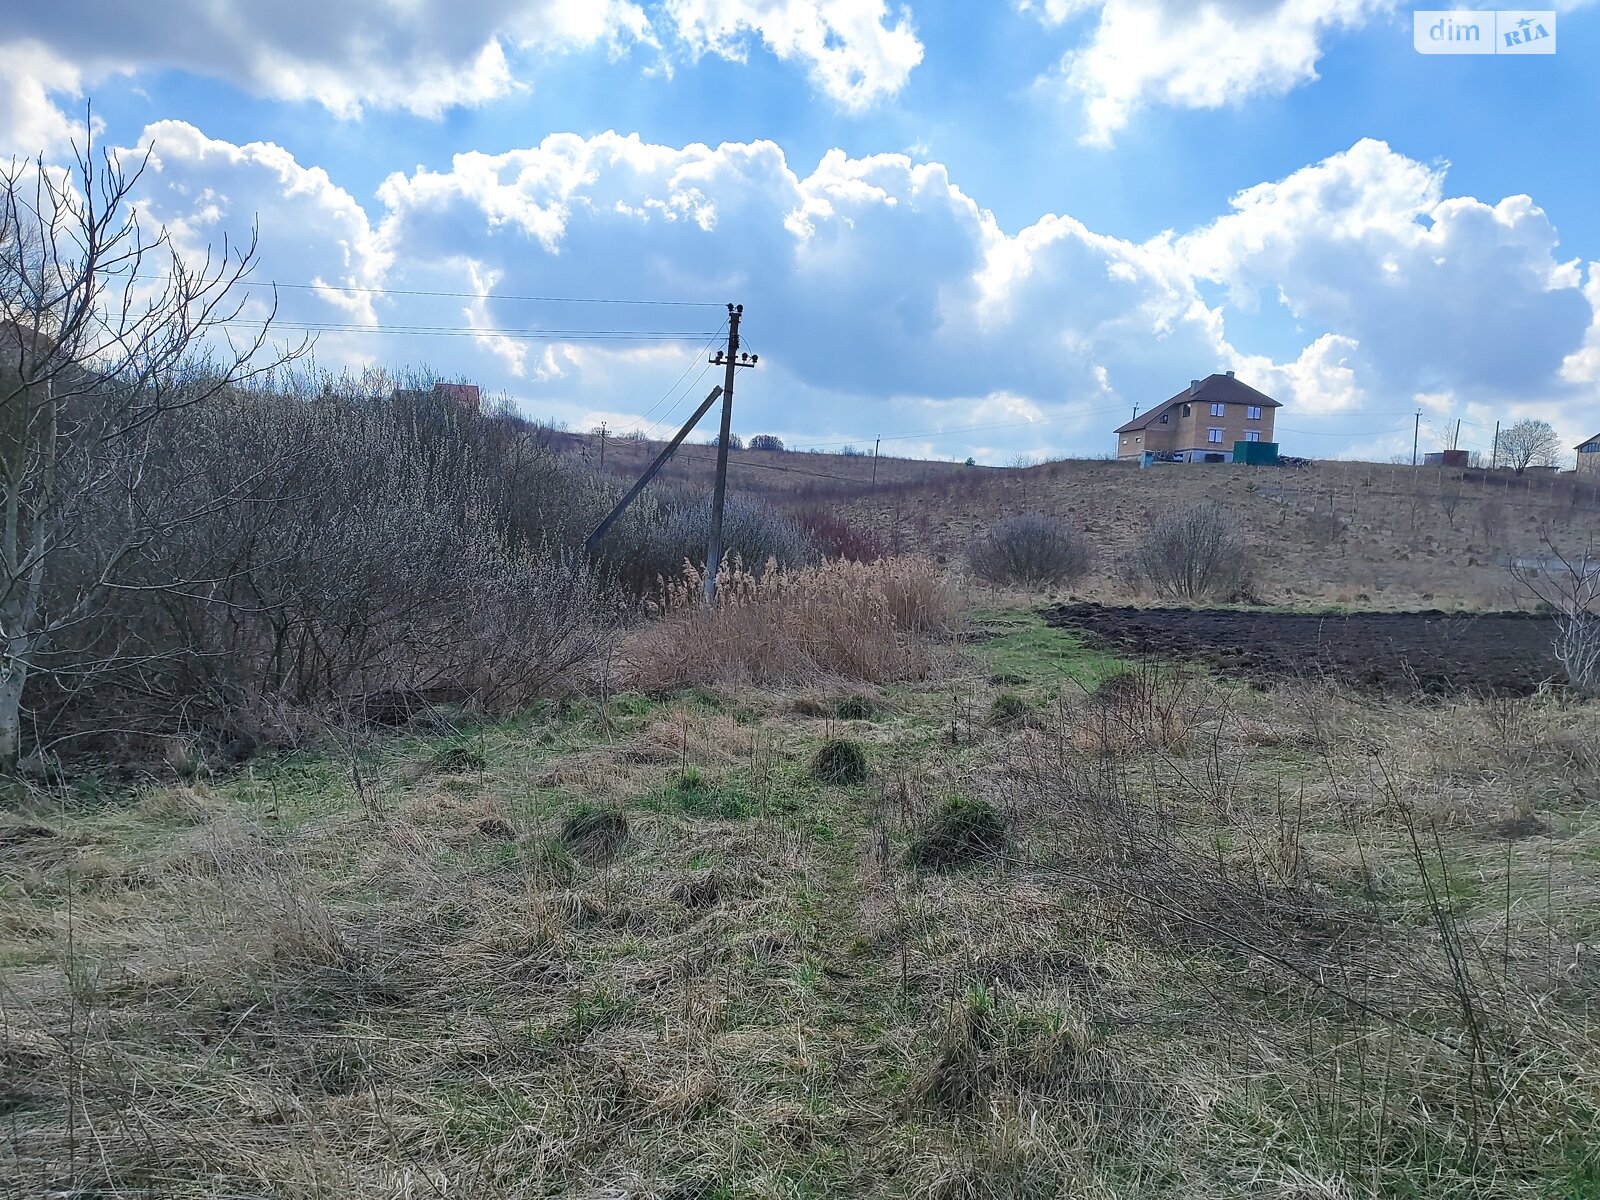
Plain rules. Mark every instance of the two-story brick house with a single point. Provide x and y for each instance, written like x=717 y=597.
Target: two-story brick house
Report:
x=1589 y=456
x=1201 y=423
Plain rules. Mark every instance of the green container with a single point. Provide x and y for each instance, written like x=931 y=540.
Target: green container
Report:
x=1256 y=454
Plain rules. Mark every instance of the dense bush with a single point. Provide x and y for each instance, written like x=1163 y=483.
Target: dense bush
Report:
x=766 y=441
x=1030 y=551
x=834 y=536
x=667 y=528
x=1192 y=554
x=330 y=544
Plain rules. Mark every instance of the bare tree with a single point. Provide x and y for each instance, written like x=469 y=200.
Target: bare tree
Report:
x=1530 y=443
x=105 y=329
x=1570 y=585
x=1451 y=495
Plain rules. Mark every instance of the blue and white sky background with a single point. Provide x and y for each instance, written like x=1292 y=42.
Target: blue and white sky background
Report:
x=970 y=228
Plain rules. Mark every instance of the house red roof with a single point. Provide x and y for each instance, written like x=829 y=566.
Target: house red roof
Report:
x=1213 y=389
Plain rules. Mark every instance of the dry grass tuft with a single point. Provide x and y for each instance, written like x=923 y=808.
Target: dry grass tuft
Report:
x=595 y=836
x=839 y=762
x=959 y=833
x=191 y=804
x=844 y=620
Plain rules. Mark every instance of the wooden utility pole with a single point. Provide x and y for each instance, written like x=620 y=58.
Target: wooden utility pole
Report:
x=876 y=442
x=602 y=446
x=1455 y=442
x=1416 y=434
x=1494 y=459
x=731 y=360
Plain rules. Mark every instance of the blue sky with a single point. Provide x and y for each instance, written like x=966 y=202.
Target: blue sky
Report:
x=972 y=229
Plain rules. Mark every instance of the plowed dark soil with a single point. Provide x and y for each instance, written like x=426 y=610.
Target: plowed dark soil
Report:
x=1428 y=653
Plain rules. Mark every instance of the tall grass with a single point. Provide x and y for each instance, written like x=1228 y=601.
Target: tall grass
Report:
x=846 y=620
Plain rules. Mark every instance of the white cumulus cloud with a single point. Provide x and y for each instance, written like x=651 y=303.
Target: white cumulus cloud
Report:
x=421 y=56
x=882 y=297
x=854 y=51
x=1192 y=55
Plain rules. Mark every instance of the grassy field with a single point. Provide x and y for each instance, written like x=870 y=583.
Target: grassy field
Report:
x=1083 y=928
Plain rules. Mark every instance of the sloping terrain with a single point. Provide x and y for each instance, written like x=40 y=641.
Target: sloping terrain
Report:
x=1363 y=535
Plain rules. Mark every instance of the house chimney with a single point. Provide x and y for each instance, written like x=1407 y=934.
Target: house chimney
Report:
x=1230 y=374
x=1194 y=385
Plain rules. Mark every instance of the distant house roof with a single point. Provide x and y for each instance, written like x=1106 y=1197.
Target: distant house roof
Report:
x=1213 y=389
x=1594 y=441
x=464 y=394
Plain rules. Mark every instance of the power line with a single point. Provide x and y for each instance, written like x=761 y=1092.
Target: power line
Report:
x=379 y=291
x=763 y=466
x=560 y=335
x=983 y=427
x=639 y=424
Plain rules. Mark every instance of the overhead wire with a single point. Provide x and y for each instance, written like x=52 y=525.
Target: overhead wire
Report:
x=381 y=291
x=639 y=425
x=632 y=335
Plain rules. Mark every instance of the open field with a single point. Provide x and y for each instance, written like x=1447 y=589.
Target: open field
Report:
x=1086 y=927
x=1431 y=653
x=1365 y=535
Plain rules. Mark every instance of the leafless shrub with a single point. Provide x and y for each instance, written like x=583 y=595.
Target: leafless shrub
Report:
x=381 y=555
x=1324 y=527
x=107 y=336
x=667 y=528
x=1570 y=586
x=1451 y=496
x=1492 y=519
x=1193 y=554
x=1030 y=551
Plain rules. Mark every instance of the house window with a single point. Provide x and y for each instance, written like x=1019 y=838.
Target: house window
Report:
x=1253 y=412
x=1218 y=410
x=1253 y=436
x=1186 y=410
x=1214 y=435
x=1164 y=417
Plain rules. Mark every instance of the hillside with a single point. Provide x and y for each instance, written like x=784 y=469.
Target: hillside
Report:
x=1367 y=534
x=784 y=477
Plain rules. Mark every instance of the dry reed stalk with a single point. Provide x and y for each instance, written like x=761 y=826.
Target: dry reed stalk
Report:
x=846 y=620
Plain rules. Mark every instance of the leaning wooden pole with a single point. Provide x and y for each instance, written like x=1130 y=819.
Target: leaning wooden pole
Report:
x=650 y=472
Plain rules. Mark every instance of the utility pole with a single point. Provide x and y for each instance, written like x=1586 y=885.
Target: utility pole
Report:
x=1494 y=460
x=876 y=442
x=1455 y=442
x=1416 y=434
x=602 y=446
x=731 y=360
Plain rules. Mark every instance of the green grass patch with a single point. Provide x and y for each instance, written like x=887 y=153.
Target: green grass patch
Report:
x=1020 y=646
x=693 y=792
